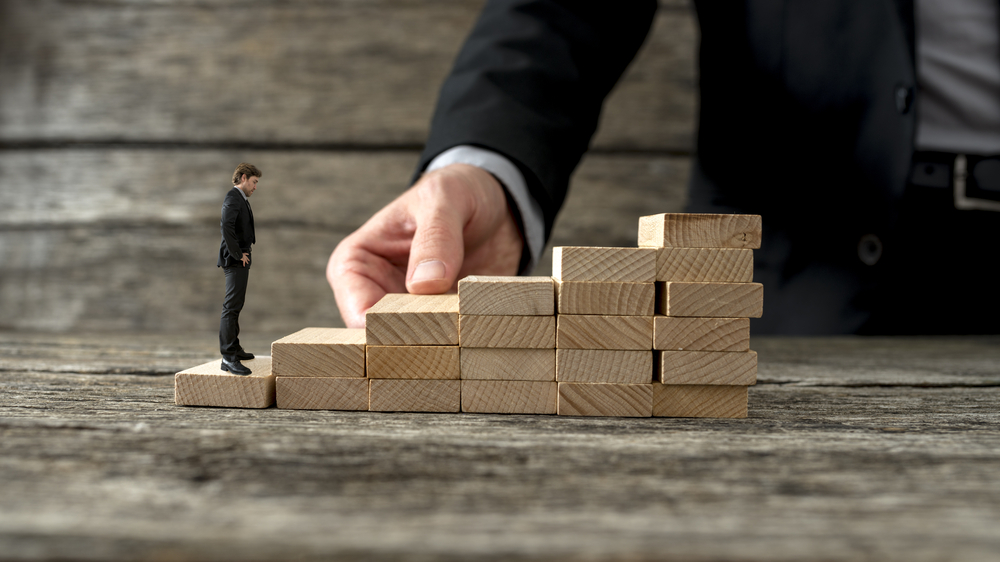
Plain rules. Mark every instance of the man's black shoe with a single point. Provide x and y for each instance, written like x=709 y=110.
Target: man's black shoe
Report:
x=235 y=367
x=244 y=356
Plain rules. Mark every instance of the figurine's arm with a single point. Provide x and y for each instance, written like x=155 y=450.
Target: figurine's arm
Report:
x=230 y=213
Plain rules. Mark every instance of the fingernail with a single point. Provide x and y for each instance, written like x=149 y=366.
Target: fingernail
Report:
x=428 y=270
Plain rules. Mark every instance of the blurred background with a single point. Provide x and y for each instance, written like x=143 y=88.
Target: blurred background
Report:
x=121 y=122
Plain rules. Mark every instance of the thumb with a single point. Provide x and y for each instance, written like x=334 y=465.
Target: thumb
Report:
x=437 y=251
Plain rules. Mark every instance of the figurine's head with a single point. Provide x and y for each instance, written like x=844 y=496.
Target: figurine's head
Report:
x=245 y=177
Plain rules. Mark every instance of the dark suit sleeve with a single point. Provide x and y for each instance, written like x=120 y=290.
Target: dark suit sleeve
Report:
x=530 y=81
x=231 y=208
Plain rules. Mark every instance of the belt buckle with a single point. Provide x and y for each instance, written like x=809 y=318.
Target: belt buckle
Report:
x=962 y=201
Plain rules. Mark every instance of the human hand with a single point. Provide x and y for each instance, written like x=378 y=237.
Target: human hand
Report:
x=246 y=259
x=453 y=222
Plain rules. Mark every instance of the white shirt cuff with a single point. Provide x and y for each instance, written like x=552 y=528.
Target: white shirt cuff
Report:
x=504 y=170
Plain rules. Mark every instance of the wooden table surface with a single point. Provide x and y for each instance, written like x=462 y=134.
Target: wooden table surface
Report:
x=855 y=449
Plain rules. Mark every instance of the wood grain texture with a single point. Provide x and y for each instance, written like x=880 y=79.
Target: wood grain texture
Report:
x=604 y=332
x=405 y=319
x=506 y=296
x=687 y=230
x=209 y=385
x=714 y=300
x=616 y=400
x=94 y=220
x=699 y=401
x=129 y=71
x=738 y=368
x=606 y=298
x=518 y=332
x=509 y=397
x=701 y=334
x=321 y=393
x=716 y=265
x=596 y=263
x=604 y=366
x=396 y=395
x=508 y=364
x=414 y=362
x=320 y=352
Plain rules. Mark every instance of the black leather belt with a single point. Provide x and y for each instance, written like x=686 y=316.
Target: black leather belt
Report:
x=974 y=180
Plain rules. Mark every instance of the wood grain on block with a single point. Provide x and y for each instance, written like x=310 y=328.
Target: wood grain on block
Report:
x=618 y=400
x=699 y=401
x=321 y=393
x=508 y=364
x=604 y=332
x=405 y=319
x=606 y=298
x=394 y=395
x=708 y=367
x=686 y=230
x=715 y=300
x=209 y=385
x=595 y=263
x=511 y=296
x=518 y=332
x=320 y=352
x=701 y=334
x=715 y=265
x=509 y=397
x=414 y=362
x=604 y=366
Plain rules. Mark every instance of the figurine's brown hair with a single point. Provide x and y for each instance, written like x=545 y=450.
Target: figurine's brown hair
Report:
x=249 y=169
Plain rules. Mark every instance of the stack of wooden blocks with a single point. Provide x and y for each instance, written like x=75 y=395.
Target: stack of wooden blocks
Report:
x=658 y=330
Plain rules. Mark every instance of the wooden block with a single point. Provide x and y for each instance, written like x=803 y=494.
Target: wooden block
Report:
x=704 y=265
x=684 y=230
x=414 y=362
x=209 y=385
x=620 y=400
x=701 y=334
x=508 y=364
x=699 y=401
x=393 y=395
x=509 y=397
x=708 y=367
x=320 y=352
x=606 y=298
x=517 y=332
x=716 y=300
x=594 y=263
x=321 y=393
x=506 y=296
x=604 y=366
x=404 y=319
x=604 y=332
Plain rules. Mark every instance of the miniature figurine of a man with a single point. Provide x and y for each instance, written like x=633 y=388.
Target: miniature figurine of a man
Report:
x=234 y=259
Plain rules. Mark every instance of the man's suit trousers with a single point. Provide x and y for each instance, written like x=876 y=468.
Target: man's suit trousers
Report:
x=229 y=327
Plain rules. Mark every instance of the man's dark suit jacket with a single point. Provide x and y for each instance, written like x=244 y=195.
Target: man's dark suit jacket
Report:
x=806 y=113
x=237 y=229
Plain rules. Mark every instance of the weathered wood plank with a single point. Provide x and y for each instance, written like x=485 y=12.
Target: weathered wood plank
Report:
x=78 y=254
x=103 y=466
x=165 y=71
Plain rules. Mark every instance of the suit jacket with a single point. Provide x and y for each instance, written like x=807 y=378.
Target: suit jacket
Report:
x=237 y=229
x=804 y=105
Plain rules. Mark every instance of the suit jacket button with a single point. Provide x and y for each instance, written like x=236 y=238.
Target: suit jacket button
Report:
x=869 y=249
x=904 y=99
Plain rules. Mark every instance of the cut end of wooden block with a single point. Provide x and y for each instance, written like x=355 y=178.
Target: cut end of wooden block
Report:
x=726 y=368
x=320 y=352
x=699 y=401
x=388 y=395
x=604 y=332
x=405 y=319
x=689 y=230
x=515 y=332
x=509 y=397
x=610 y=400
x=209 y=385
x=701 y=334
x=704 y=265
x=712 y=300
x=506 y=295
x=606 y=298
x=597 y=263
x=413 y=362
x=316 y=393
x=508 y=364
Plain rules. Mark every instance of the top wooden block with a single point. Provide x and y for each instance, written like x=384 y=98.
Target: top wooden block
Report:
x=594 y=263
x=320 y=352
x=405 y=319
x=683 y=230
x=506 y=296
